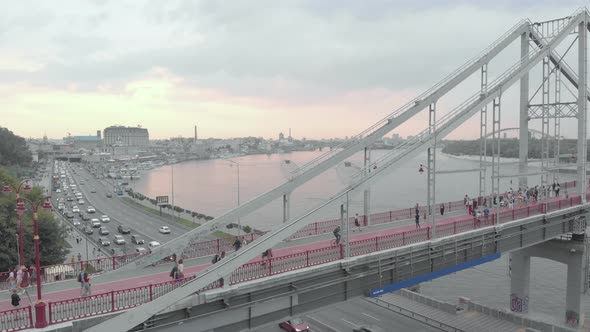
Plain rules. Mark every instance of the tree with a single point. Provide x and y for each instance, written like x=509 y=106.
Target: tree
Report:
x=247 y=229
x=52 y=236
x=13 y=149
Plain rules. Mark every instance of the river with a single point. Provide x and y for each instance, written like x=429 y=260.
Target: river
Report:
x=211 y=187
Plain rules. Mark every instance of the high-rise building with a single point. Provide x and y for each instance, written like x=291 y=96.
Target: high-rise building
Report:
x=126 y=136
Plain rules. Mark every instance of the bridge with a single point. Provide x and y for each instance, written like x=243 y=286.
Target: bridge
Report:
x=254 y=293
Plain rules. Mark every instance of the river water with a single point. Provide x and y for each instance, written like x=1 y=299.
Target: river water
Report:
x=211 y=187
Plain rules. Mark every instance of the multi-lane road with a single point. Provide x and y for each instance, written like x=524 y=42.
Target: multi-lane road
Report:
x=341 y=317
x=141 y=222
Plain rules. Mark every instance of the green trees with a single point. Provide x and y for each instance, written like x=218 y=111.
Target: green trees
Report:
x=52 y=235
x=13 y=149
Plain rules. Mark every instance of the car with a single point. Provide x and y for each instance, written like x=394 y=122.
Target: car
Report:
x=109 y=195
x=69 y=214
x=124 y=229
x=75 y=209
x=81 y=202
x=136 y=239
x=84 y=216
x=164 y=230
x=153 y=244
x=104 y=242
x=81 y=183
x=93 y=190
x=70 y=198
x=105 y=218
x=103 y=231
x=58 y=190
x=91 y=209
x=95 y=223
x=140 y=250
x=294 y=325
x=88 y=230
x=76 y=222
x=370 y=328
x=119 y=239
x=60 y=206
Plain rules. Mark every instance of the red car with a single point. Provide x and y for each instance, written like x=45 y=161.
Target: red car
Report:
x=294 y=325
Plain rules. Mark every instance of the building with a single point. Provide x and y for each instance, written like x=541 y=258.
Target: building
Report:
x=89 y=143
x=126 y=136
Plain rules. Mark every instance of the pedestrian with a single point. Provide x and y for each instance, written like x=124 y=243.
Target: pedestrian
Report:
x=442 y=209
x=174 y=272
x=180 y=273
x=12 y=279
x=94 y=251
x=357 y=223
x=33 y=275
x=237 y=244
x=15 y=299
x=19 y=277
x=87 y=284
x=267 y=254
x=557 y=188
x=81 y=281
x=215 y=259
x=79 y=257
x=417 y=216
x=25 y=282
x=337 y=235
x=470 y=209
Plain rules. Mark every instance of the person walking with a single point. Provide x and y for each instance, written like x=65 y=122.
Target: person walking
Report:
x=180 y=273
x=417 y=215
x=174 y=271
x=237 y=244
x=557 y=188
x=87 y=285
x=12 y=279
x=19 y=277
x=81 y=281
x=25 y=281
x=337 y=234
x=79 y=257
x=33 y=275
x=357 y=222
x=442 y=209
x=266 y=255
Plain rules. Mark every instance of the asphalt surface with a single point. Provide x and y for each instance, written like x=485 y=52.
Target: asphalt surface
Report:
x=141 y=222
x=340 y=317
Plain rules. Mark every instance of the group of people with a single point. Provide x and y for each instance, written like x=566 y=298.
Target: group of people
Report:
x=19 y=279
x=177 y=271
x=84 y=280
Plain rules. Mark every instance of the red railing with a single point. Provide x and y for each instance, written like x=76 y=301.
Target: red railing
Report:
x=16 y=319
x=72 y=309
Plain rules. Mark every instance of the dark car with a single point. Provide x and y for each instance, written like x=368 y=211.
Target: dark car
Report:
x=85 y=217
x=370 y=328
x=124 y=229
x=294 y=325
x=89 y=230
x=137 y=239
x=109 y=195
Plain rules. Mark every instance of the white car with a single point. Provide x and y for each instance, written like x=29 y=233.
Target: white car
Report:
x=153 y=244
x=81 y=202
x=164 y=230
x=95 y=223
x=58 y=191
x=105 y=218
x=75 y=209
x=119 y=239
x=140 y=250
x=91 y=209
x=76 y=222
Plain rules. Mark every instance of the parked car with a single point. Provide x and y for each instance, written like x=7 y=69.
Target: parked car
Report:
x=105 y=218
x=153 y=244
x=136 y=239
x=70 y=198
x=164 y=230
x=84 y=216
x=103 y=231
x=75 y=209
x=294 y=325
x=124 y=229
x=95 y=223
x=119 y=239
x=81 y=202
x=104 y=242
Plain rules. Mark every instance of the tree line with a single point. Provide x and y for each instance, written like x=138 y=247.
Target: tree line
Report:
x=509 y=147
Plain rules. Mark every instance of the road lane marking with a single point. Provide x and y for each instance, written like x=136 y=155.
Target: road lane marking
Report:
x=353 y=324
x=319 y=322
x=375 y=318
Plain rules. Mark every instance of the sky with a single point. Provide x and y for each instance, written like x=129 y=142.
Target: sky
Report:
x=242 y=68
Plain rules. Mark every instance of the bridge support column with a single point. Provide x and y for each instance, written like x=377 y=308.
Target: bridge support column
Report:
x=572 y=253
x=582 y=102
x=520 y=281
x=523 y=143
x=367 y=192
x=286 y=207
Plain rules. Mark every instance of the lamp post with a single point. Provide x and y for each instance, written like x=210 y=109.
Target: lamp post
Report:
x=41 y=320
x=238 y=167
x=24 y=185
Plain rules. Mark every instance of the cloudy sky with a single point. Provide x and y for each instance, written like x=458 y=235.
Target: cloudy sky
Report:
x=239 y=68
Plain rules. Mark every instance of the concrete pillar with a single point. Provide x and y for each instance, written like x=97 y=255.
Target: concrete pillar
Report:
x=520 y=281
x=367 y=192
x=523 y=143
x=574 y=313
x=286 y=207
x=582 y=102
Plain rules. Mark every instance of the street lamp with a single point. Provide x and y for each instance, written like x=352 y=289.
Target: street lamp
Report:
x=41 y=320
x=238 y=167
x=8 y=188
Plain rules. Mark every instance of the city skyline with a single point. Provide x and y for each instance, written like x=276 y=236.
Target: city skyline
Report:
x=321 y=69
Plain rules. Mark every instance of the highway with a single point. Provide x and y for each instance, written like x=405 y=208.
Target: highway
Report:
x=342 y=317
x=141 y=222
